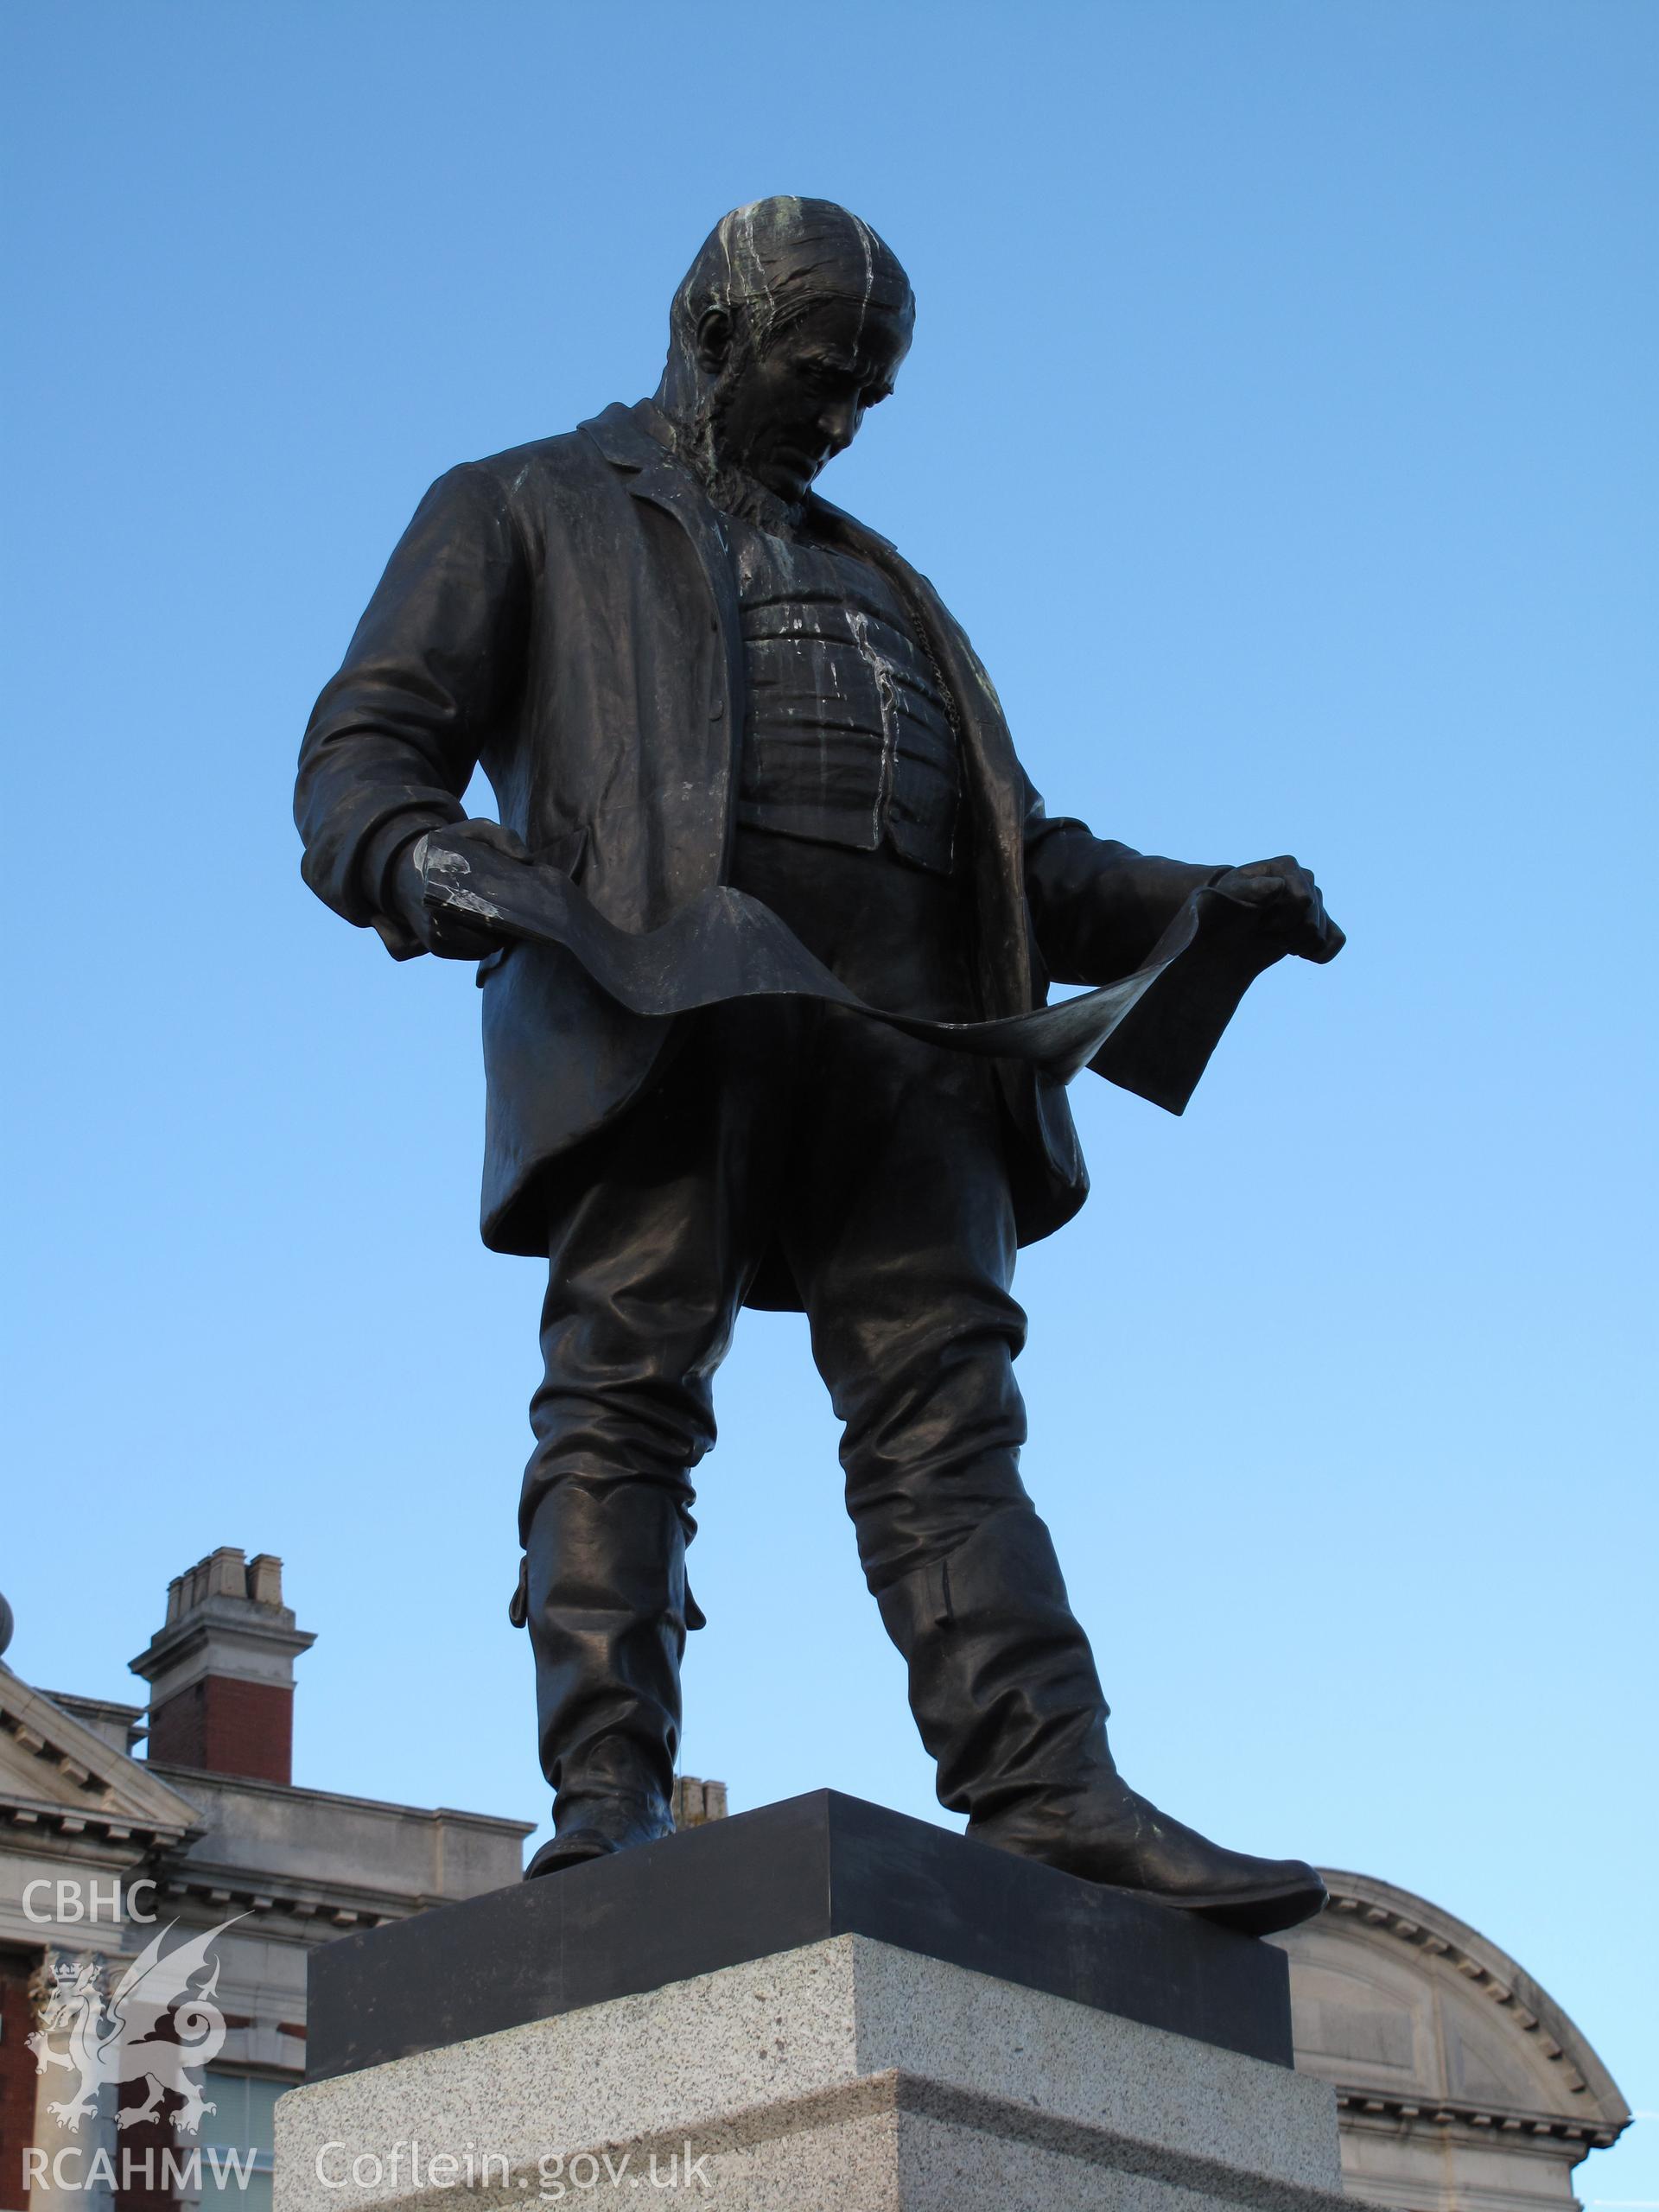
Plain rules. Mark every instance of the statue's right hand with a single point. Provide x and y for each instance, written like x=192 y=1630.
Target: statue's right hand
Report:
x=440 y=930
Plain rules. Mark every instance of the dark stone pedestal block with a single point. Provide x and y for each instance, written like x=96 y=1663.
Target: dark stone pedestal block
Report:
x=777 y=1880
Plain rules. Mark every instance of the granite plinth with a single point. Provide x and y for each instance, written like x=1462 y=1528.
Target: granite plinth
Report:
x=781 y=1879
x=845 y=2073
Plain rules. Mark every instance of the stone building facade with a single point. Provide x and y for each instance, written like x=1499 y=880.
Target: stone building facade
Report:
x=1461 y=2086
x=215 y=1832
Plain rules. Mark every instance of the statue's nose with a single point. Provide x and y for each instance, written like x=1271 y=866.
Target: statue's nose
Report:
x=838 y=421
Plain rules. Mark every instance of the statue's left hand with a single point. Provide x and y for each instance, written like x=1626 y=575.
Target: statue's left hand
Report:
x=1291 y=906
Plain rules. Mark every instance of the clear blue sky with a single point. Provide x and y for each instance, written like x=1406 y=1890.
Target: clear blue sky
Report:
x=1281 y=425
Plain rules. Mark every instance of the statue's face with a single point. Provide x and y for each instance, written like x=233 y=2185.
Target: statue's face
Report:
x=785 y=412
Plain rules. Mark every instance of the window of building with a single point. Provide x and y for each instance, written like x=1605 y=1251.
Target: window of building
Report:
x=243 y=2125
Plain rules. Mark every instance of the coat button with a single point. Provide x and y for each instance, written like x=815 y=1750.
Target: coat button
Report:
x=716 y=708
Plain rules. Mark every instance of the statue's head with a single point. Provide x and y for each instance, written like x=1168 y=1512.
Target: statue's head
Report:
x=791 y=321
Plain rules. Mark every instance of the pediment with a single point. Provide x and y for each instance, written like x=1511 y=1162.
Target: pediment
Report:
x=56 y=1768
x=1394 y=1999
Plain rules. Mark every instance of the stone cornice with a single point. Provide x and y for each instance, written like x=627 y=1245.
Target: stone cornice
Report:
x=23 y=1819
x=290 y=1793
x=330 y=1906
x=1361 y=2108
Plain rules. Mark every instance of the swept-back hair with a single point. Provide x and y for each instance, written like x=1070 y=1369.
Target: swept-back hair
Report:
x=767 y=264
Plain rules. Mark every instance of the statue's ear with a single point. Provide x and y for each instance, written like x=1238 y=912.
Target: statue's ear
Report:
x=714 y=339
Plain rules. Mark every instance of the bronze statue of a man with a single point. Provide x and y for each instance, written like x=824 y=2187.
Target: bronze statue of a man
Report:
x=682 y=669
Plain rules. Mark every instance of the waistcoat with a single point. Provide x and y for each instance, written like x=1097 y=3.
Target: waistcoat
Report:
x=849 y=740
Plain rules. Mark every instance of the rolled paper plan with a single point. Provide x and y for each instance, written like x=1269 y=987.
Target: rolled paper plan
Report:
x=1151 y=1032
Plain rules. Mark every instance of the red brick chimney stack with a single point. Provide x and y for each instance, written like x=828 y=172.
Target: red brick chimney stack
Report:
x=221 y=1671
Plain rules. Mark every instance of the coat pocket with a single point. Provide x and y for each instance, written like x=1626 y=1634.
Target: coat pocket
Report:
x=566 y=853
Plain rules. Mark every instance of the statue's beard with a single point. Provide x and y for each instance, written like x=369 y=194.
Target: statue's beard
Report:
x=732 y=488
x=735 y=492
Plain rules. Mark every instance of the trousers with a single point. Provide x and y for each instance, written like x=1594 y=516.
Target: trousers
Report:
x=874 y=1164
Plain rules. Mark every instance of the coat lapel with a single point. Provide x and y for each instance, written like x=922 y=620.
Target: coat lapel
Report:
x=653 y=474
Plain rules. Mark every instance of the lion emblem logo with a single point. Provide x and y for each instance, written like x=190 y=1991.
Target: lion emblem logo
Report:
x=155 y=2029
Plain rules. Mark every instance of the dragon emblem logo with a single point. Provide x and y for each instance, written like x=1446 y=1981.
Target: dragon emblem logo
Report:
x=155 y=2029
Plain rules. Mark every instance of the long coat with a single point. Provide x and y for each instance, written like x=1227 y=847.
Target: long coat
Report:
x=566 y=616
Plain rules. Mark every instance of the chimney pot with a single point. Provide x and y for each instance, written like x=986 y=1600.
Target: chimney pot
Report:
x=227 y=1573
x=696 y=1801
x=265 y=1579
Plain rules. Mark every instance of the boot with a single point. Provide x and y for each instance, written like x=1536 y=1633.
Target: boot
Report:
x=1004 y=1690
x=605 y=1604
